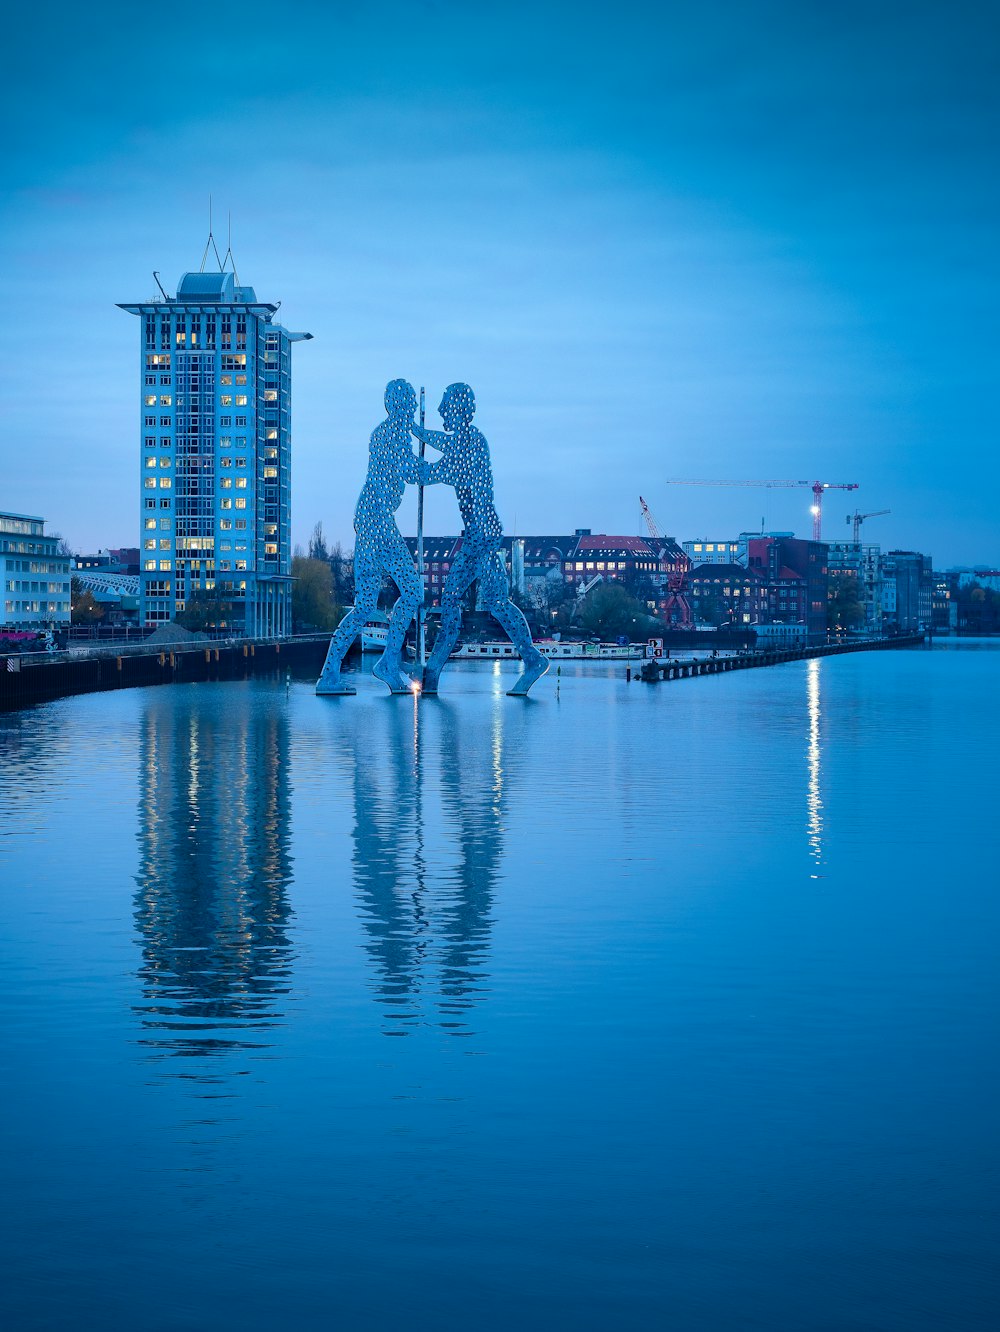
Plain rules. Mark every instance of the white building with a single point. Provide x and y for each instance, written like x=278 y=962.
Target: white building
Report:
x=34 y=575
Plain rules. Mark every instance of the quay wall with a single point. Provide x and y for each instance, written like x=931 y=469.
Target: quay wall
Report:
x=39 y=677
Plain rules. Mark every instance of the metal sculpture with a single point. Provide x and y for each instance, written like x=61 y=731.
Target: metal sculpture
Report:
x=465 y=464
x=392 y=465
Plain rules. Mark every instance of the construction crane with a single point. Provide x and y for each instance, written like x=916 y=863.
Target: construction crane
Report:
x=678 y=607
x=858 y=518
x=817 y=488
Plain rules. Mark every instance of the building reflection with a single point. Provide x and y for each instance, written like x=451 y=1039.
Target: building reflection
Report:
x=211 y=905
x=429 y=806
x=814 y=795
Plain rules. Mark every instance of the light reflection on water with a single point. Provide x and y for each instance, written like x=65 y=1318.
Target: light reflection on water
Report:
x=530 y=1003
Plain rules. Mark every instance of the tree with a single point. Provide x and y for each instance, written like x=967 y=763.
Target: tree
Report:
x=342 y=568
x=609 y=610
x=83 y=608
x=713 y=609
x=845 y=609
x=317 y=544
x=206 y=612
x=313 y=606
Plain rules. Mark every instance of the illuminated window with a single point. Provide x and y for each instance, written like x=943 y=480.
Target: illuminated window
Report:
x=149 y=543
x=225 y=441
x=150 y=523
x=165 y=400
x=241 y=400
x=226 y=524
x=225 y=504
x=241 y=504
x=150 y=564
x=150 y=400
x=226 y=399
x=241 y=483
x=150 y=462
x=271 y=434
x=241 y=379
x=150 y=483
x=166 y=483
x=241 y=564
x=164 y=566
x=270 y=472
x=270 y=395
x=225 y=379
x=226 y=483
x=270 y=548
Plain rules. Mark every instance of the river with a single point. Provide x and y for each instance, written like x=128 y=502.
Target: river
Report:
x=623 y=1006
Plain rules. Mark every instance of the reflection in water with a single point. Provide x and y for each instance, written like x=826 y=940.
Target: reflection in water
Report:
x=214 y=867
x=425 y=777
x=814 y=798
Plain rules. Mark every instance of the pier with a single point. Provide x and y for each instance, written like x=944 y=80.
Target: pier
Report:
x=677 y=668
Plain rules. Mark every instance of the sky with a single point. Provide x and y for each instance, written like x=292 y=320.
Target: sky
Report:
x=675 y=241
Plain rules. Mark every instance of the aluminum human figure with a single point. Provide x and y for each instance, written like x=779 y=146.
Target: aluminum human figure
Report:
x=465 y=464
x=379 y=548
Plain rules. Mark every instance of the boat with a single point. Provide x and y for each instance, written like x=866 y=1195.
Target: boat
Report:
x=374 y=632
x=554 y=650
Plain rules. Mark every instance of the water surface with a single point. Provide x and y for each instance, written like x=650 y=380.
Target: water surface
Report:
x=622 y=1006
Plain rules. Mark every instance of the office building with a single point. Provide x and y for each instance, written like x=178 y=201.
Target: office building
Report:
x=34 y=575
x=215 y=464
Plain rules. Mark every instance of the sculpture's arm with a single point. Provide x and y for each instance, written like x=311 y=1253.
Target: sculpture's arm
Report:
x=438 y=439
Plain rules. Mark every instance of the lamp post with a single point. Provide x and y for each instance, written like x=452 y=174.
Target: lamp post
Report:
x=420 y=545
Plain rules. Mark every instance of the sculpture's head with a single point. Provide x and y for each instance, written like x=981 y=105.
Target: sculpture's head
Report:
x=400 y=399
x=458 y=406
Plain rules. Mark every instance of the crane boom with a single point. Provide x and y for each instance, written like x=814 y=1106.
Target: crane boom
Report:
x=817 y=488
x=858 y=518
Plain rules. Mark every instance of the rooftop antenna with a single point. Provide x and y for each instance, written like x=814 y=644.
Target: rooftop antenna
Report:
x=156 y=278
x=210 y=242
x=229 y=252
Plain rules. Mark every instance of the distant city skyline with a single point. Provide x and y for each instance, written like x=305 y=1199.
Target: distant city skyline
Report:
x=731 y=242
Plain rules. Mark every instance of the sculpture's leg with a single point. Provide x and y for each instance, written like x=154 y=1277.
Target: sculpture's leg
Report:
x=463 y=574
x=399 y=566
x=365 y=600
x=498 y=603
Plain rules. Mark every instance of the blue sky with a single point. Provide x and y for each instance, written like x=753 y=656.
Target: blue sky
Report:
x=714 y=240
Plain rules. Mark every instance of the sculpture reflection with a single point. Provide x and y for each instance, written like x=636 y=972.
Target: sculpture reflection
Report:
x=211 y=906
x=441 y=783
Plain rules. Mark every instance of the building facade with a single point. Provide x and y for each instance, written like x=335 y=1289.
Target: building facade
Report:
x=711 y=552
x=215 y=455
x=796 y=579
x=907 y=591
x=863 y=561
x=728 y=595
x=34 y=576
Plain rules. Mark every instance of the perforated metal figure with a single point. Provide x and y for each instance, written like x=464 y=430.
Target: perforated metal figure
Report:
x=379 y=548
x=465 y=464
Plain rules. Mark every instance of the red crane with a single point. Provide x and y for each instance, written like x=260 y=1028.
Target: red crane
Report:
x=817 y=488
x=677 y=611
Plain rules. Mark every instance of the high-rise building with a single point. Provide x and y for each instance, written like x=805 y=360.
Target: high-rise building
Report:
x=215 y=384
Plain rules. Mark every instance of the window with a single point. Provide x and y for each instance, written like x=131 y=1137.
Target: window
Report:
x=164 y=462
x=150 y=483
x=150 y=400
x=225 y=421
x=164 y=566
x=241 y=483
x=150 y=462
x=225 y=504
x=226 y=399
x=150 y=523
x=225 y=462
x=270 y=395
x=241 y=421
x=165 y=400
x=241 y=400
x=225 y=525
x=270 y=548
x=241 y=462
x=241 y=504
x=226 y=483
x=149 y=543
x=151 y=504
x=225 y=441
x=164 y=524
x=270 y=472
x=164 y=422
x=165 y=482
x=164 y=504
x=241 y=564
x=149 y=421
x=240 y=524
x=149 y=564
